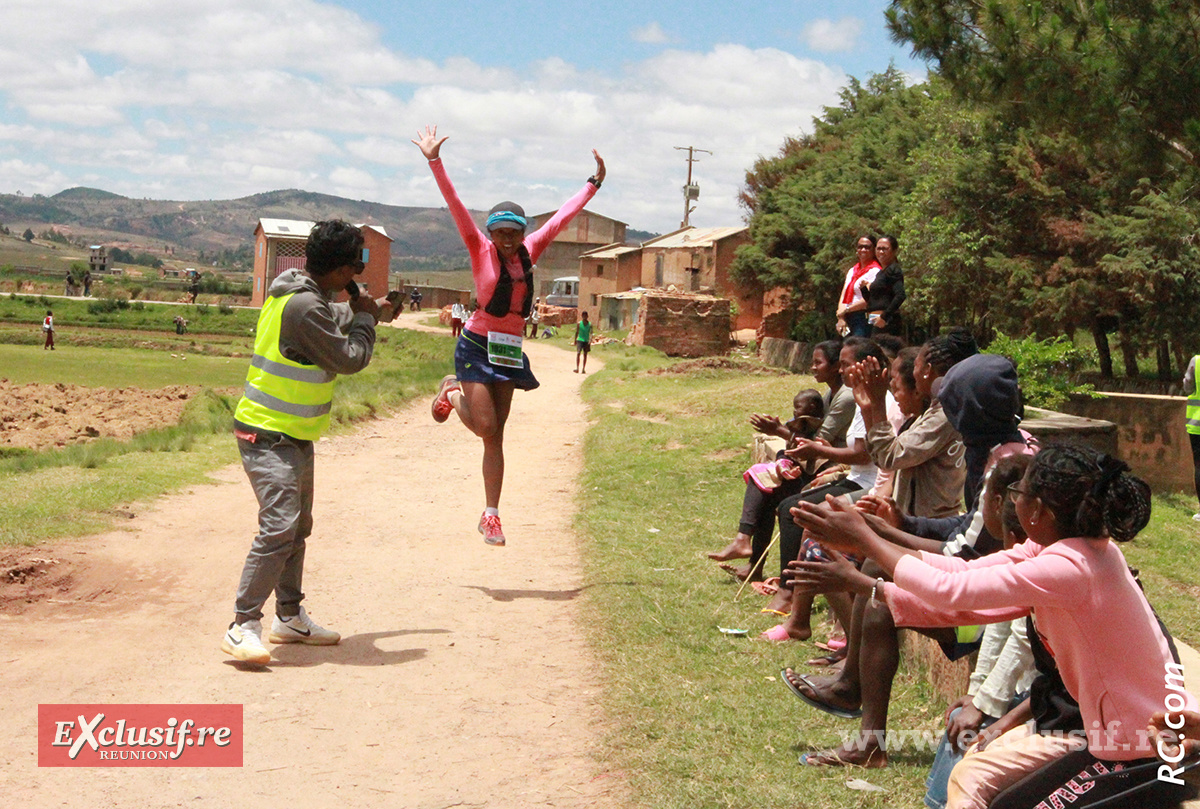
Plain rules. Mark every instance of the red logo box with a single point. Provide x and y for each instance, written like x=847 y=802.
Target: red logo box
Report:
x=139 y=735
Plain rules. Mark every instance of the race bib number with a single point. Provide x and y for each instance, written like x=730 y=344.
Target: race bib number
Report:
x=505 y=349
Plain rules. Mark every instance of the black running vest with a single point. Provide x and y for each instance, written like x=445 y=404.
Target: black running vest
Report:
x=501 y=303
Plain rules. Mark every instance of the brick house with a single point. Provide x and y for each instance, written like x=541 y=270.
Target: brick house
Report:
x=692 y=260
x=587 y=231
x=279 y=246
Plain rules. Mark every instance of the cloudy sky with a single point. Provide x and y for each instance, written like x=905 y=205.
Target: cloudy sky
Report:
x=217 y=99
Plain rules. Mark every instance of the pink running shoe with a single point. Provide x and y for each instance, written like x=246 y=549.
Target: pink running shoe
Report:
x=489 y=526
x=441 y=403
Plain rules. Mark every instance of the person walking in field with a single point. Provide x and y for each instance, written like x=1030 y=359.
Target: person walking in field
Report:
x=48 y=328
x=489 y=363
x=303 y=342
x=583 y=341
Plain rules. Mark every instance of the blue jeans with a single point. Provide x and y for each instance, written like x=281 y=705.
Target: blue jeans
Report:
x=939 y=774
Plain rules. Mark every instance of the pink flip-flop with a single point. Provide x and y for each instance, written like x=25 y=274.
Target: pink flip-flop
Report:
x=776 y=633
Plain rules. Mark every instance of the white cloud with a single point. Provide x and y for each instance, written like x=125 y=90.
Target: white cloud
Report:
x=829 y=36
x=649 y=34
x=220 y=99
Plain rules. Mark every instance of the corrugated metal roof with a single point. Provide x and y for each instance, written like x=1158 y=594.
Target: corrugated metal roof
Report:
x=286 y=228
x=694 y=237
x=610 y=251
x=299 y=229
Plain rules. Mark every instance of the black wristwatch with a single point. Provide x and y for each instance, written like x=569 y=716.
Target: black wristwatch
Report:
x=594 y=181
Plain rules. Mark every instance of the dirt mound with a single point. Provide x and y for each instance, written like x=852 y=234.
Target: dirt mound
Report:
x=39 y=417
x=712 y=364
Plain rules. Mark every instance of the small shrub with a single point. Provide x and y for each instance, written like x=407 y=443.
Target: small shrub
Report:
x=225 y=309
x=1046 y=368
x=134 y=291
x=138 y=306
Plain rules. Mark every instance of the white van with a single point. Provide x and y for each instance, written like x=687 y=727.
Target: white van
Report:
x=564 y=292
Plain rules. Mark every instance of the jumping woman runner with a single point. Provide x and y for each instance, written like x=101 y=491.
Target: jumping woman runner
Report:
x=488 y=361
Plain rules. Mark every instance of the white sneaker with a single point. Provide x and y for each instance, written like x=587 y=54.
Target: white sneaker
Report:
x=302 y=629
x=244 y=642
x=1196 y=517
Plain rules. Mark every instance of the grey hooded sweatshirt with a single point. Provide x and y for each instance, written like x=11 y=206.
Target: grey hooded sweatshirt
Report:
x=316 y=331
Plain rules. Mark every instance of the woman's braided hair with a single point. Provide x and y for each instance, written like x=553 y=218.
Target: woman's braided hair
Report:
x=1091 y=494
x=946 y=350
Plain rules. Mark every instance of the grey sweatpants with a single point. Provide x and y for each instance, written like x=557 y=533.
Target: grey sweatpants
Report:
x=281 y=474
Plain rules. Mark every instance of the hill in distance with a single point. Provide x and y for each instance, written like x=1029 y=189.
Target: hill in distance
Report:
x=425 y=237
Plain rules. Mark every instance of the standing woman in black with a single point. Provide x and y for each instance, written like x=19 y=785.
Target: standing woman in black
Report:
x=886 y=292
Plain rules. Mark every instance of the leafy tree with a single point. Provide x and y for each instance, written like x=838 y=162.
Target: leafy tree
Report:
x=1122 y=70
x=27 y=235
x=810 y=202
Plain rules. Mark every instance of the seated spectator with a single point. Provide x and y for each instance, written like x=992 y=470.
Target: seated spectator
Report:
x=1004 y=670
x=1075 y=505
x=981 y=401
x=860 y=477
x=757 y=523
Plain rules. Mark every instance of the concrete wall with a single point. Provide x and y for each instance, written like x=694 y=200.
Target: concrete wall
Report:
x=1150 y=435
x=780 y=353
x=683 y=326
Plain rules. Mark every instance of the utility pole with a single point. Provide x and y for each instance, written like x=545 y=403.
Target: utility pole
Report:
x=691 y=191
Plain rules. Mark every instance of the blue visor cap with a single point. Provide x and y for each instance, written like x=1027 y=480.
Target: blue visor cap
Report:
x=505 y=219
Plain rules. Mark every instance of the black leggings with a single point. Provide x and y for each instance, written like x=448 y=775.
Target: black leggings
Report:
x=758 y=514
x=790 y=534
x=1195 y=439
x=1082 y=781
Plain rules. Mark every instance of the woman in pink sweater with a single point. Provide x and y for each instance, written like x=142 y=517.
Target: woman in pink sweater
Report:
x=488 y=361
x=1089 y=612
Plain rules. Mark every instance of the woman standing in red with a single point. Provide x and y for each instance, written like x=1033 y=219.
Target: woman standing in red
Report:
x=852 y=305
x=488 y=361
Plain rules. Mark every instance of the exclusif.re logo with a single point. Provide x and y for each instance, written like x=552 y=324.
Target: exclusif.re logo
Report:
x=139 y=735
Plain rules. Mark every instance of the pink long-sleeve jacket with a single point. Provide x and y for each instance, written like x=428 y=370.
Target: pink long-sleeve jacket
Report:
x=485 y=262
x=1091 y=615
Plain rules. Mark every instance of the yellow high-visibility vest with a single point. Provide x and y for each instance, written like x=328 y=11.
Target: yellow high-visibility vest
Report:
x=1193 y=402
x=282 y=395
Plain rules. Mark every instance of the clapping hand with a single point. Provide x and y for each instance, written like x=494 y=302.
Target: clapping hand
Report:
x=881 y=508
x=770 y=425
x=834 y=524
x=838 y=574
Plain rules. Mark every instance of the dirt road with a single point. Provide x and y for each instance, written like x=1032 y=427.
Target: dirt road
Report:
x=461 y=680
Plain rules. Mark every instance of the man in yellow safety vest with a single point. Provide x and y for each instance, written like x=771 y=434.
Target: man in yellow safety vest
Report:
x=303 y=341
x=1191 y=389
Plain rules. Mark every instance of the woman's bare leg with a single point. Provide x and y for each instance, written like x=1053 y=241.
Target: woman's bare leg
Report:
x=484 y=409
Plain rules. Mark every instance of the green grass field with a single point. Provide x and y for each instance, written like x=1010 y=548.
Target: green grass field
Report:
x=77 y=490
x=700 y=719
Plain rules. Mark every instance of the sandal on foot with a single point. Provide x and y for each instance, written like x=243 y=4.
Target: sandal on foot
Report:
x=831 y=659
x=814 y=701
x=763 y=588
x=769 y=611
x=776 y=633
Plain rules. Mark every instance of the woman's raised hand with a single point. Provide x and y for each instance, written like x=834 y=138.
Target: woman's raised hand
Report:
x=600 y=170
x=430 y=144
x=873 y=379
